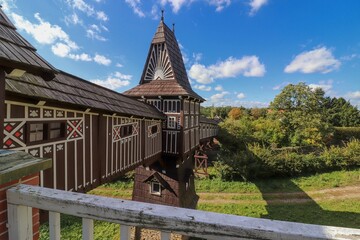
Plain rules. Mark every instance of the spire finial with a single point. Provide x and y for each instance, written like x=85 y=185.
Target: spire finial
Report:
x=173 y=27
x=162 y=14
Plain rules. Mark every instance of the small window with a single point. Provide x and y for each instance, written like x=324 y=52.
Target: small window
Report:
x=46 y=131
x=155 y=188
x=154 y=129
x=56 y=130
x=171 y=122
x=36 y=132
x=126 y=131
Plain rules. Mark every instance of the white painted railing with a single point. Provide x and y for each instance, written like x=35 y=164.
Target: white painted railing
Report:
x=163 y=218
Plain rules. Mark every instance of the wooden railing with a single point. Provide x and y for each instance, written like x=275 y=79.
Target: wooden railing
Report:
x=163 y=218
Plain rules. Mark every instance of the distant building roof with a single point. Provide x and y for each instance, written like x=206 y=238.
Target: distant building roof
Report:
x=17 y=53
x=164 y=73
x=208 y=120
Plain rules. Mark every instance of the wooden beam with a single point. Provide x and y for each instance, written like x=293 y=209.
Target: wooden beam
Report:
x=2 y=106
x=167 y=219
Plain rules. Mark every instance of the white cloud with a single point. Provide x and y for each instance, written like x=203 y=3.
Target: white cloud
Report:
x=248 y=66
x=94 y=31
x=102 y=60
x=80 y=57
x=203 y=87
x=61 y=49
x=324 y=85
x=89 y=10
x=353 y=95
x=176 y=4
x=61 y=45
x=119 y=65
x=219 y=96
x=219 y=88
x=135 y=5
x=256 y=5
x=350 y=57
x=220 y=4
x=240 y=95
x=114 y=81
x=197 y=57
x=317 y=60
x=281 y=85
x=7 y=5
x=43 y=32
x=102 y=16
x=73 y=19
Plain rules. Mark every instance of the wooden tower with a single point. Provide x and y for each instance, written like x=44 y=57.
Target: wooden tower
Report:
x=164 y=84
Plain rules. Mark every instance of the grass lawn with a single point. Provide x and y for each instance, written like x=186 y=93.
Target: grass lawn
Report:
x=325 y=199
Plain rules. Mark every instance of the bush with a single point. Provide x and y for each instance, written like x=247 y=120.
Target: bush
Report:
x=345 y=134
x=258 y=161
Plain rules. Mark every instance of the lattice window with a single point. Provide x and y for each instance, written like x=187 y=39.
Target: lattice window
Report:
x=125 y=131
x=171 y=123
x=46 y=131
x=172 y=106
x=156 y=103
x=186 y=106
x=192 y=105
x=153 y=130
x=192 y=121
x=159 y=67
x=186 y=122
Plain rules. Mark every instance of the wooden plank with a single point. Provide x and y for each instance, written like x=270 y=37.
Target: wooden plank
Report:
x=124 y=232
x=87 y=229
x=54 y=225
x=2 y=106
x=171 y=219
x=165 y=236
x=20 y=222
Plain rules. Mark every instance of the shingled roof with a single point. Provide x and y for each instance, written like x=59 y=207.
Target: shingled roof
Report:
x=164 y=72
x=65 y=88
x=17 y=53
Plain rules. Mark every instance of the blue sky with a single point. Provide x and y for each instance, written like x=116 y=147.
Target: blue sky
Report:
x=236 y=52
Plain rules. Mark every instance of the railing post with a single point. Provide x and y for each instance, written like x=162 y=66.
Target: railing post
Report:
x=87 y=229
x=20 y=222
x=54 y=225
x=124 y=232
x=165 y=235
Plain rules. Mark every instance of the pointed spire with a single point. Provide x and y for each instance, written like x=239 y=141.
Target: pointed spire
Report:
x=173 y=28
x=162 y=15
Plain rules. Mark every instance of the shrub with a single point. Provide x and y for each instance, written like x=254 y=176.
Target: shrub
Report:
x=258 y=161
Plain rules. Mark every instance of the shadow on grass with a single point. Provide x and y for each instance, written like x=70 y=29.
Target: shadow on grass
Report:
x=300 y=207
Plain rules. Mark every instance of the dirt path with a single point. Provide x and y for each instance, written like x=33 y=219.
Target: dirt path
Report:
x=340 y=193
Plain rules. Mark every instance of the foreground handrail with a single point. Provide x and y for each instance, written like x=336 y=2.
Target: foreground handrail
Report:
x=164 y=218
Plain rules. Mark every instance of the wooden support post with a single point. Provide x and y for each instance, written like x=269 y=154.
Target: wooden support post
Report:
x=165 y=235
x=20 y=222
x=124 y=232
x=54 y=225
x=2 y=106
x=87 y=229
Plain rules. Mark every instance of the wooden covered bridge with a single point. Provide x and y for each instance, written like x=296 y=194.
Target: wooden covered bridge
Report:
x=90 y=135
x=93 y=134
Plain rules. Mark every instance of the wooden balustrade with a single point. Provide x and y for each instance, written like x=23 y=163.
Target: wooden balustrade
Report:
x=166 y=219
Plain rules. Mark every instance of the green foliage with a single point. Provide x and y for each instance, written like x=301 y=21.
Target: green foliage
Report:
x=342 y=114
x=263 y=162
x=71 y=228
x=346 y=133
x=235 y=113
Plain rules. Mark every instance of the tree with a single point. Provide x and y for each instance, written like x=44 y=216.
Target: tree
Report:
x=235 y=113
x=303 y=115
x=342 y=113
